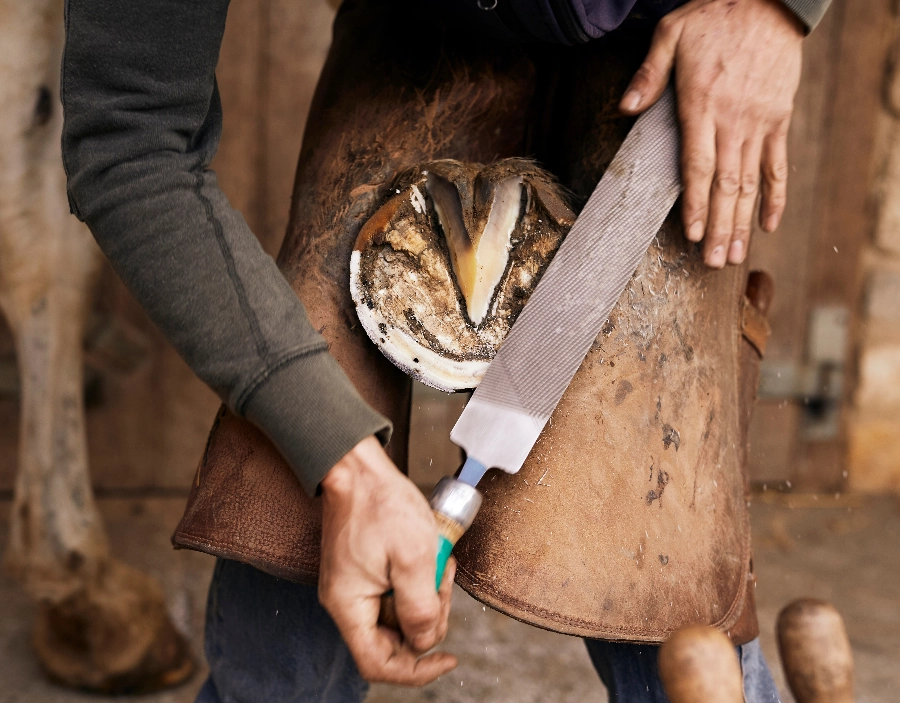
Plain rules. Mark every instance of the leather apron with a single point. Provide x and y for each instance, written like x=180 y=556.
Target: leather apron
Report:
x=629 y=518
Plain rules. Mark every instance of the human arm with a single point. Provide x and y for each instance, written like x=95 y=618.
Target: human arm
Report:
x=737 y=68
x=142 y=123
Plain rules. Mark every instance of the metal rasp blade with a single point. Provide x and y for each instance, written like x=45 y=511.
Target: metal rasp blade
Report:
x=573 y=299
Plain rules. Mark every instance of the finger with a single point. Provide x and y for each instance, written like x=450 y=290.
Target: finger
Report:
x=723 y=199
x=446 y=595
x=774 y=179
x=746 y=202
x=381 y=656
x=651 y=78
x=698 y=166
x=407 y=670
x=418 y=606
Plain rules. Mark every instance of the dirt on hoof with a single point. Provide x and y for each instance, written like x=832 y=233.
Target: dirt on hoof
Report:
x=113 y=636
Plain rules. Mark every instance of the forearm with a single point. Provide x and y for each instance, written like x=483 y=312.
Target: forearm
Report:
x=142 y=122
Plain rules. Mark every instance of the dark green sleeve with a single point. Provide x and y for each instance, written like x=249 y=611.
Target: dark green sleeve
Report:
x=142 y=123
x=810 y=12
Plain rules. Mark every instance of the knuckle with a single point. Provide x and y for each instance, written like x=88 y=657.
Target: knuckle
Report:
x=750 y=182
x=414 y=556
x=419 y=615
x=699 y=165
x=727 y=183
x=665 y=27
x=781 y=124
x=776 y=172
x=647 y=73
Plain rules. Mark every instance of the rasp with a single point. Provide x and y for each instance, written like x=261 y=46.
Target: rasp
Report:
x=563 y=316
x=573 y=299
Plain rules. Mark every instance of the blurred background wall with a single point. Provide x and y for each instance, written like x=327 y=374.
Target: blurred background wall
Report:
x=814 y=403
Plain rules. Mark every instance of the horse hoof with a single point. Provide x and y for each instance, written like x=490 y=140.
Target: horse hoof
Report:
x=113 y=636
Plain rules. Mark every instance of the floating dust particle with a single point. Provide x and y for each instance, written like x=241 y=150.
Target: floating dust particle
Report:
x=546 y=471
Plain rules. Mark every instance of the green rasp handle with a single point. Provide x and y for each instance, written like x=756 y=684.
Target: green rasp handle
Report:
x=455 y=505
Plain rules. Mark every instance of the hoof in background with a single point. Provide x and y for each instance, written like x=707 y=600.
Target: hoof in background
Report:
x=113 y=636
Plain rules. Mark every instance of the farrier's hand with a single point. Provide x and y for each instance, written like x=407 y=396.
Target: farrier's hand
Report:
x=378 y=533
x=737 y=66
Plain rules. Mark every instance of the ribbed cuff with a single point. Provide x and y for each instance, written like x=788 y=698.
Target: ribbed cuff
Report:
x=314 y=416
x=810 y=12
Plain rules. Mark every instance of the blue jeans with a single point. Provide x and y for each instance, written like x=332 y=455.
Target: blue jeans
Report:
x=270 y=640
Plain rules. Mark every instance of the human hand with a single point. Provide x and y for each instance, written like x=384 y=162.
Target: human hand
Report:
x=737 y=67
x=378 y=534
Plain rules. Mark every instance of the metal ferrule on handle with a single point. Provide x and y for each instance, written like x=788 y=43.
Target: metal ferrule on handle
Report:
x=455 y=505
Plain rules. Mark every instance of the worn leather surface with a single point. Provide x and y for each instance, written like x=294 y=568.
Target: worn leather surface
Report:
x=246 y=504
x=629 y=518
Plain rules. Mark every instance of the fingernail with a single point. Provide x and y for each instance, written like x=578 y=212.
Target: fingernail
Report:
x=736 y=252
x=695 y=232
x=632 y=100
x=772 y=223
x=716 y=258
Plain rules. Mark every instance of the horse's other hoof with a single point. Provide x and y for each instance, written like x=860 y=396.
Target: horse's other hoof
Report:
x=113 y=636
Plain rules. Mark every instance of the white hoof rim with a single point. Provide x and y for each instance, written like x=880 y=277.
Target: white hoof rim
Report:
x=441 y=271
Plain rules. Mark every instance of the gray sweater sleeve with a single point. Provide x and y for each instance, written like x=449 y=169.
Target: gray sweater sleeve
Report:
x=142 y=123
x=810 y=12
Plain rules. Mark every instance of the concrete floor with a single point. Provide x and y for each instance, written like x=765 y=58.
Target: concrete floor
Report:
x=846 y=550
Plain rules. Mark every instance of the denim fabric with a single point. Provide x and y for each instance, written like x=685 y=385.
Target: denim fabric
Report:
x=758 y=684
x=630 y=674
x=270 y=640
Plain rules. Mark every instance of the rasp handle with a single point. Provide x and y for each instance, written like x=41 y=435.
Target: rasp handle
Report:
x=455 y=505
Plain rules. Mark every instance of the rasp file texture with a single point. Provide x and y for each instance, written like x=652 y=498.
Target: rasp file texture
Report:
x=564 y=315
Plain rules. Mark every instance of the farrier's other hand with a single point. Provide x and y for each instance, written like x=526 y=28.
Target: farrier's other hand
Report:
x=737 y=67
x=378 y=533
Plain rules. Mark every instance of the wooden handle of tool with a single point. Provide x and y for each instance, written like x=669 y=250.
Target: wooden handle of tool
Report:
x=449 y=532
x=699 y=664
x=815 y=652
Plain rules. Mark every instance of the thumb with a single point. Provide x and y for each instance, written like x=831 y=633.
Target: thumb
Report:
x=651 y=78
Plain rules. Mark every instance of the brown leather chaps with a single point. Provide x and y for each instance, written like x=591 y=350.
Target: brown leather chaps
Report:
x=629 y=518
